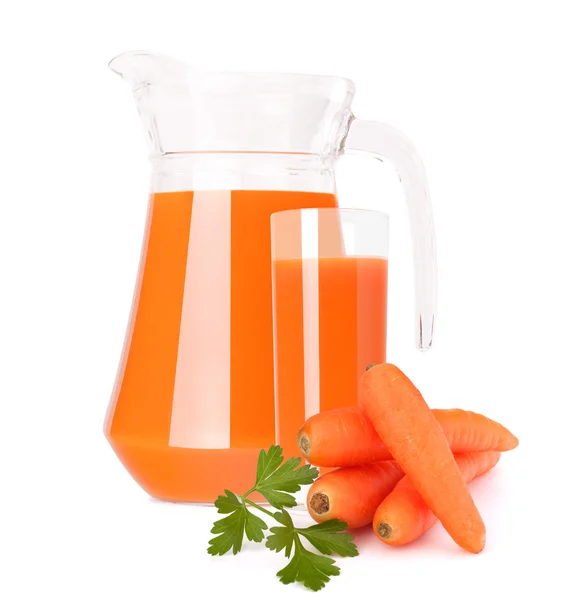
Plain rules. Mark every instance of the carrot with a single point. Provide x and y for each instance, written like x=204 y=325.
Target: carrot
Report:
x=344 y=437
x=352 y=494
x=403 y=516
x=417 y=442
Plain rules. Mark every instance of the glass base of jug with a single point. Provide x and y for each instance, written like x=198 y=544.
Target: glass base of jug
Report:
x=187 y=475
x=299 y=509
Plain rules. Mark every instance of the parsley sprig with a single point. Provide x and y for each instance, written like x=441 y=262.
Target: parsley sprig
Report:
x=276 y=481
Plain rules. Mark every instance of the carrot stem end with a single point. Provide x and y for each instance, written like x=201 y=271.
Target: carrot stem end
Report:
x=304 y=444
x=384 y=530
x=320 y=503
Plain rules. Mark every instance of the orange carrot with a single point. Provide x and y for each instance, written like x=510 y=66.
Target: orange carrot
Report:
x=344 y=437
x=352 y=494
x=417 y=442
x=403 y=516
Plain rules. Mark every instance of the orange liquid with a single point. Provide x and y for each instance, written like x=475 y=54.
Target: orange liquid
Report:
x=194 y=397
x=330 y=324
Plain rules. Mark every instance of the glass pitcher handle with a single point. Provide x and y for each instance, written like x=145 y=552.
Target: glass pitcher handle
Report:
x=387 y=143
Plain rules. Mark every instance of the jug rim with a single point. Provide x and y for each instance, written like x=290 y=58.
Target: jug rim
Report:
x=176 y=71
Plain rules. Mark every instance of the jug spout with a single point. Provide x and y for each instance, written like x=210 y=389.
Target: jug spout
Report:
x=139 y=68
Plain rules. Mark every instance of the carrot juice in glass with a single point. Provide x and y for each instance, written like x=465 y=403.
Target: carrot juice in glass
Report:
x=329 y=310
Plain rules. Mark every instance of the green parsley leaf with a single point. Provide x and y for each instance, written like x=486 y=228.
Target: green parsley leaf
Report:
x=282 y=537
x=231 y=533
x=274 y=480
x=268 y=462
x=328 y=538
x=313 y=570
x=306 y=567
x=254 y=527
x=232 y=528
x=228 y=503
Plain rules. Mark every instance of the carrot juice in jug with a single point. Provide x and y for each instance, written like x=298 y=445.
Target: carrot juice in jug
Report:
x=194 y=398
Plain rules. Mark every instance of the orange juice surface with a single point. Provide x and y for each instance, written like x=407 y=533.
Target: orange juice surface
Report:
x=194 y=397
x=330 y=324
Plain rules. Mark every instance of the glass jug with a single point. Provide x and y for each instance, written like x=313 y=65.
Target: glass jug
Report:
x=193 y=400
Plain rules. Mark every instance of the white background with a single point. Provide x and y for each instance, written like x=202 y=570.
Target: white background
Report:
x=482 y=89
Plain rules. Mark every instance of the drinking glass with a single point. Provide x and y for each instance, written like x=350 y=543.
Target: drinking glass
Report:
x=329 y=310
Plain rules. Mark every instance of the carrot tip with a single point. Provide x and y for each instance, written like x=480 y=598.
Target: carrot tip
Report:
x=304 y=444
x=384 y=531
x=320 y=503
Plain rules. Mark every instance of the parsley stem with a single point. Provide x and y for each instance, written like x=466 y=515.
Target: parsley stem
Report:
x=258 y=507
x=248 y=492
